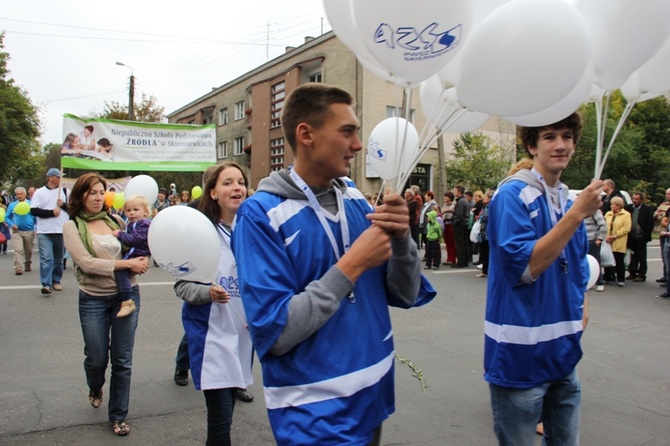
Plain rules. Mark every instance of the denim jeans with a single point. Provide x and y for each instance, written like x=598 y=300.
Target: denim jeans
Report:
x=51 y=248
x=220 y=406
x=182 y=358
x=516 y=413
x=105 y=335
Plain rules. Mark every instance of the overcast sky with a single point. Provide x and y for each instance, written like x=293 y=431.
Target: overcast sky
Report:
x=64 y=53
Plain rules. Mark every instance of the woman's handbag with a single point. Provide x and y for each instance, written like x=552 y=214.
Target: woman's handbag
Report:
x=474 y=232
x=606 y=255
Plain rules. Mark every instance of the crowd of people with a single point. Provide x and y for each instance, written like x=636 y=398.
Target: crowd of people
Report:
x=338 y=259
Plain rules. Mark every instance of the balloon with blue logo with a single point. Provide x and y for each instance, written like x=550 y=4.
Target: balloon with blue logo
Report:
x=411 y=42
x=393 y=147
x=185 y=244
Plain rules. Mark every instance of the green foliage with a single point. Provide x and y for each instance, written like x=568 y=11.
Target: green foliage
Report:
x=147 y=110
x=640 y=154
x=19 y=125
x=477 y=163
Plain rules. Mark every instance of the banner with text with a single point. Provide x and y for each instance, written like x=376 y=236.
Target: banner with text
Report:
x=108 y=144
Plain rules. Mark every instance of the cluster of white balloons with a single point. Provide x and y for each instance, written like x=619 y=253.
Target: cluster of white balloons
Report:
x=532 y=62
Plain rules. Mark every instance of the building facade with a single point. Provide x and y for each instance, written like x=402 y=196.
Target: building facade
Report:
x=247 y=111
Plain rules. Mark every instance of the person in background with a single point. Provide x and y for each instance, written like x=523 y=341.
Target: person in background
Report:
x=220 y=348
x=483 y=239
x=319 y=317
x=433 y=237
x=619 y=224
x=31 y=192
x=448 y=218
x=49 y=206
x=23 y=233
x=536 y=283
x=96 y=254
x=413 y=215
x=660 y=215
x=665 y=234
x=642 y=225
x=596 y=231
x=161 y=202
x=609 y=187
x=428 y=203
x=184 y=198
x=460 y=222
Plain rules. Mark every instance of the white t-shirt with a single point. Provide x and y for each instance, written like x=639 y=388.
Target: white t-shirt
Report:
x=45 y=198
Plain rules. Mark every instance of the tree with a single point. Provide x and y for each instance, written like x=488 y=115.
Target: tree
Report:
x=639 y=155
x=19 y=124
x=147 y=110
x=477 y=162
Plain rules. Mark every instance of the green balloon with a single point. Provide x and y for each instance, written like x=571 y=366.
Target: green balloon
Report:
x=22 y=208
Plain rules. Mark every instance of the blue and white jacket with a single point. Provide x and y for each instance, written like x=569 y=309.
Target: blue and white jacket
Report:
x=327 y=360
x=533 y=327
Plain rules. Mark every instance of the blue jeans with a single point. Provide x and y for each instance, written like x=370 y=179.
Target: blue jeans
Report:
x=182 y=358
x=220 y=406
x=105 y=334
x=51 y=248
x=516 y=412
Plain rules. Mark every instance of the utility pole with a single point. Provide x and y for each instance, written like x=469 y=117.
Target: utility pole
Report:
x=441 y=174
x=131 y=92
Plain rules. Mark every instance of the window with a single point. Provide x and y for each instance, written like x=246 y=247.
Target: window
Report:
x=392 y=112
x=239 y=110
x=276 y=154
x=223 y=116
x=316 y=77
x=223 y=150
x=239 y=145
x=277 y=103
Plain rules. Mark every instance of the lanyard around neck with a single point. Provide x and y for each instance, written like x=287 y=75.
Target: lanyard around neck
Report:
x=316 y=207
x=562 y=204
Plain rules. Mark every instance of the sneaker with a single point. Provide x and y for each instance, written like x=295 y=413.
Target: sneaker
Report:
x=46 y=289
x=661 y=280
x=663 y=296
x=600 y=288
x=28 y=267
x=639 y=279
x=480 y=266
x=436 y=267
x=622 y=284
x=18 y=272
x=630 y=277
x=57 y=287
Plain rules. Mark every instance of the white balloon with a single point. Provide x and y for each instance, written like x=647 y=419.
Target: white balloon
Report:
x=594 y=271
x=625 y=34
x=185 y=244
x=142 y=185
x=392 y=146
x=633 y=91
x=563 y=108
x=518 y=62
x=412 y=43
x=654 y=76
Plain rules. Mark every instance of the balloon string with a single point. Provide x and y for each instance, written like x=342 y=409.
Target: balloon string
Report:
x=622 y=120
x=398 y=167
x=239 y=317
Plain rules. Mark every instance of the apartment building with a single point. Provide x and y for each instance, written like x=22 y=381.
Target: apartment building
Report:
x=247 y=111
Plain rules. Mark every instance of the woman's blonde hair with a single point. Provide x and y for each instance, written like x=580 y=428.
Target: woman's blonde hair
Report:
x=617 y=200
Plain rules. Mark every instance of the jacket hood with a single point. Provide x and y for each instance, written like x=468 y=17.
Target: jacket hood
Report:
x=280 y=183
x=528 y=177
x=432 y=215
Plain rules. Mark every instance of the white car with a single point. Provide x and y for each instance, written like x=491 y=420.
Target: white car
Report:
x=626 y=196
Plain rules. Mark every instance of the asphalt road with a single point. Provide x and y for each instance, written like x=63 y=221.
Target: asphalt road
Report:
x=625 y=371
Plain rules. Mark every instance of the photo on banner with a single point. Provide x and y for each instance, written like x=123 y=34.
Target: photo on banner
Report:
x=107 y=144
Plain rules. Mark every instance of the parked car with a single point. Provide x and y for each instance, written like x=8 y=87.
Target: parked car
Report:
x=626 y=195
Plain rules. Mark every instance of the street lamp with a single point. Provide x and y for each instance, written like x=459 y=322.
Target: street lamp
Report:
x=131 y=91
